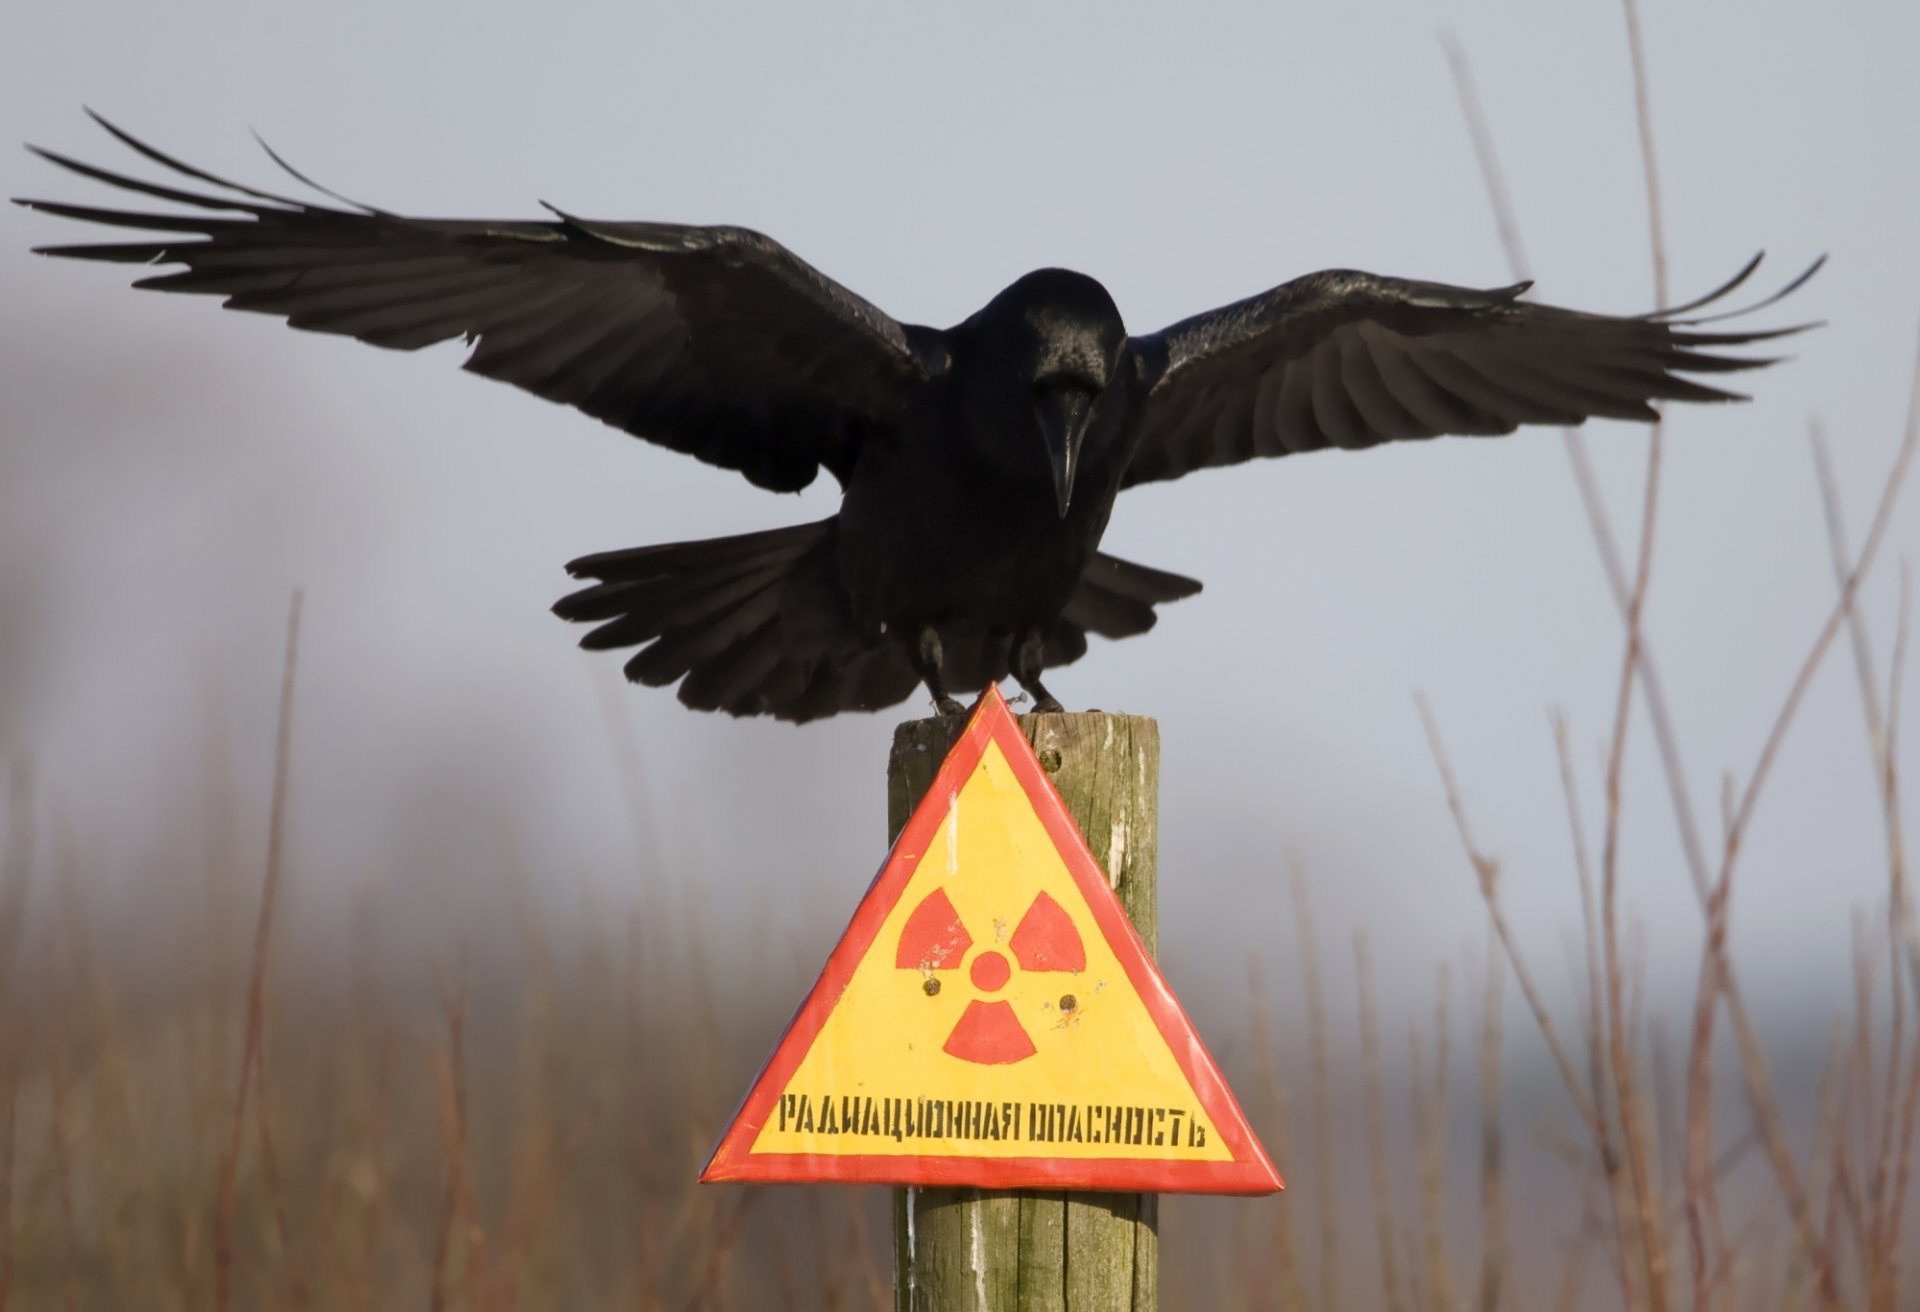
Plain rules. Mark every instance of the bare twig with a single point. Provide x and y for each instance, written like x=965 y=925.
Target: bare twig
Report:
x=1376 y=1130
x=1593 y=1112
x=58 y=1131
x=1903 y=1162
x=1573 y=1273
x=1493 y=1210
x=276 y=1194
x=1766 y=1105
x=450 y=1069
x=1284 y=1251
x=1706 y=1228
x=1752 y=1057
x=1909 y=1100
x=1587 y=483
x=1487 y=871
x=449 y=1195
x=9 y=1094
x=1901 y=924
x=1803 y=679
x=16 y=870
x=256 y=980
x=1598 y=1060
x=1313 y=988
x=1903 y=938
x=1643 y=114
x=1429 y=1108
x=1620 y=1050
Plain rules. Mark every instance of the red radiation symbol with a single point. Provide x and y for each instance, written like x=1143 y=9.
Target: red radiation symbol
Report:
x=988 y=1032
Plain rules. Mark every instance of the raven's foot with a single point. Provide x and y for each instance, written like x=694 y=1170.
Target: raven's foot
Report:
x=925 y=656
x=1027 y=664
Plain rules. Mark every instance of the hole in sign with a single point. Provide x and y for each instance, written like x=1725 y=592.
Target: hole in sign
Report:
x=936 y=939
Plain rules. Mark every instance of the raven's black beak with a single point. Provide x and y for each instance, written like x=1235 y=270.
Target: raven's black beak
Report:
x=1063 y=414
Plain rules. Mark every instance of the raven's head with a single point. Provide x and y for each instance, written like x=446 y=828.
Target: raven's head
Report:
x=1060 y=335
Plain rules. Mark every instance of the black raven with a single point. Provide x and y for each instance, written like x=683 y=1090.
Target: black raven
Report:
x=978 y=464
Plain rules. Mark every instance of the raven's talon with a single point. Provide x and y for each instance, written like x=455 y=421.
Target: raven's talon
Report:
x=1048 y=706
x=948 y=706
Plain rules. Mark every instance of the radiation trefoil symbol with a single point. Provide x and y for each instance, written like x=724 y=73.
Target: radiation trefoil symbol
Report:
x=935 y=940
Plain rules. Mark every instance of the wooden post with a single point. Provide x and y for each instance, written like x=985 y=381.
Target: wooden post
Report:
x=974 y=1250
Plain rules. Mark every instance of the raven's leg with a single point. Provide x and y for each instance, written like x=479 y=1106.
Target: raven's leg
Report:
x=1026 y=669
x=926 y=657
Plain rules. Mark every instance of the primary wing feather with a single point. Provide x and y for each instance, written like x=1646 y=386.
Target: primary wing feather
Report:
x=715 y=341
x=1348 y=359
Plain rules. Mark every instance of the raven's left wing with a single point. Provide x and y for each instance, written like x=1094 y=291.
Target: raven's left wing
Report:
x=718 y=342
x=1348 y=359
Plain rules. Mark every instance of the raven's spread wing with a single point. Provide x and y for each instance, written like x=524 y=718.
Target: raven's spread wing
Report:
x=1348 y=359
x=718 y=342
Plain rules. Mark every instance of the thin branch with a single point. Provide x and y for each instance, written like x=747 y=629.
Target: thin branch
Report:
x=1487 y=871
x=1752 y=1057
x=1706 y=1227
x=1779 y=1152
x=1620 y=1050
x=16 y=871
x=1876 y=533
x=1643 y=113
x=1587 y=483
x=59 y=1121
x=1376 y=1130
x=1493 y=1210
x=256 y=980
x=1901 y=924
x=10 y=1088
x=1313 y=987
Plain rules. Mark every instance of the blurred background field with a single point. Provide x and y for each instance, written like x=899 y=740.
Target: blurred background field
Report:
x=533 y=931
x=217 y=1089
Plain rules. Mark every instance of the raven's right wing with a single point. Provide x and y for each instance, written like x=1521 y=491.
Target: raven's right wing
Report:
x=1349 y=359
x=718 y=342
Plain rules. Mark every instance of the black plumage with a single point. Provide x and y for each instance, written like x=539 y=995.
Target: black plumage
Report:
x=978 y=464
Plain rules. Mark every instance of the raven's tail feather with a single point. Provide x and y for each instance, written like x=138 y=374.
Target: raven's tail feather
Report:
x=758 y=625
x=751 y=625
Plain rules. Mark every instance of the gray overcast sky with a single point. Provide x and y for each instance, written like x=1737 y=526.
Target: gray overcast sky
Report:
x=169 y=471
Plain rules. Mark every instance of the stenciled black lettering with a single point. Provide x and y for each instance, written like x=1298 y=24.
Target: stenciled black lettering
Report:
x=982 y=1120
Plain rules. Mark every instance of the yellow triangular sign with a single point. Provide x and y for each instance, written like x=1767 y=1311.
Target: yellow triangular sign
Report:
x=991 y=1018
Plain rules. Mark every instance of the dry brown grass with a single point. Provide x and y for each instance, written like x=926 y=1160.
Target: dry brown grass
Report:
x=520 y=1127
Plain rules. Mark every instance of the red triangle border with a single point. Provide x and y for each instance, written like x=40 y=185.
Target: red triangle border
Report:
x=1250 y=1171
